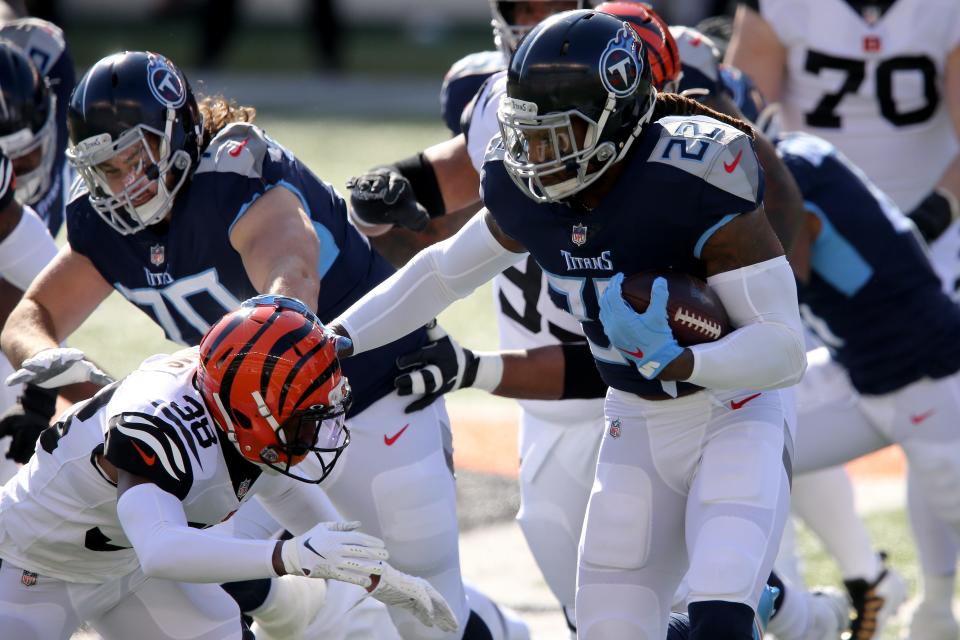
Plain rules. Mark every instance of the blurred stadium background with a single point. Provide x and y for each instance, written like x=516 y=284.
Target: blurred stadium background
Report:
x=382 y=104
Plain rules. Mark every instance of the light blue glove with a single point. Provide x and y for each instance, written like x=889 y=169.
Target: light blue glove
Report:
x=644 y=338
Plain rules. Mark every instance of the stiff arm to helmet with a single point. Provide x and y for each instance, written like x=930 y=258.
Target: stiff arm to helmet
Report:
x=436 y=278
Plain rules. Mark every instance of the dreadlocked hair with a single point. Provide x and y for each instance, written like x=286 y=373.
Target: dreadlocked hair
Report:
x=673 y=104
x=218 y=112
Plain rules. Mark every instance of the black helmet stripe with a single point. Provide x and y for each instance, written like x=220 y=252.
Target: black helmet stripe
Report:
x=331 y=369
x=281 y=346
x=296 y=369
x=238 y=359
x=226 y=331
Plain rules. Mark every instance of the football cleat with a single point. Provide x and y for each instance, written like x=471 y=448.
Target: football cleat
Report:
x=874 y=604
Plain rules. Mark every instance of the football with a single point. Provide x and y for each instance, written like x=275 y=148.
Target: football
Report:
x=695 y=312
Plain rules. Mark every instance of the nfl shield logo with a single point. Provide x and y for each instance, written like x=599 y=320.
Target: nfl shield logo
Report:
x=615 y=428
x=579 y=235
x=243 y=488
x=28 y=579
x=157 y=255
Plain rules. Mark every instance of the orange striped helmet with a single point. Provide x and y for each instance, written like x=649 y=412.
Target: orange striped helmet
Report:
x=271 y=380
x=662 y=51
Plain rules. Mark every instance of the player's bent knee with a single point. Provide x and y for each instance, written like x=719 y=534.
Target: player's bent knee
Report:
x=416 y=505
x=727 y=559
x=936 y=466
x=617 y=611
x=621 y=502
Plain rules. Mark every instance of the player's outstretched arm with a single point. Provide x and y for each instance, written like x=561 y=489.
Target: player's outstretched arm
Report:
x=553 y=372
x=279 y=247
x=417 y=201
x=436 y=278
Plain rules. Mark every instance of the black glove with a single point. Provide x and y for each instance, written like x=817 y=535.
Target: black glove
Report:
x=934 y=214
x=384 y=196
x=441 y=366
x=24 y=421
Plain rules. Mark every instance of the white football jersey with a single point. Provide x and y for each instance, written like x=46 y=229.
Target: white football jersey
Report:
x=526 y=315
x=58 y=515
x=873 y=85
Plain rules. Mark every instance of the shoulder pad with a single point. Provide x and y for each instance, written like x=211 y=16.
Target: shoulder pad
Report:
x=42 y=41
x=720 y=155
x=495 y=150
x=147 y=445
x=238 y=148
x=806 y=146
x=461 y=85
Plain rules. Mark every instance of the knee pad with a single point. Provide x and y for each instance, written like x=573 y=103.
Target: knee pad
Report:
x=936 y=466
x=720 y=620
x=618 y=611
x=727 y=560
x=416 y=507
x=617 y=530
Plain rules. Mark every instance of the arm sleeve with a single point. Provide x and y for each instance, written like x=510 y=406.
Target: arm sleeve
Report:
x=766 y=351
x=436 y=278
x=154 y=522
x=297 y=506
x=26 y=251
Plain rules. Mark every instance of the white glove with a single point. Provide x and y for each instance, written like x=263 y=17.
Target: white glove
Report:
x=56 y=367
x=335 y=550
x=416 y=595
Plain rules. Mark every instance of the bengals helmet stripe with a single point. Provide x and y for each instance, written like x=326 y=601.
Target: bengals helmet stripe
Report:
x=281 y=346
x=219 y=336
x=319 y=381
x=295 y=370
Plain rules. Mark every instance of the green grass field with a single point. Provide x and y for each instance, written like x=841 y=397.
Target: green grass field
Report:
x=118 y=336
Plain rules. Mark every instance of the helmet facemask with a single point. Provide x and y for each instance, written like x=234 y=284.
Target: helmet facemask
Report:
x=560 y=151
x=507 y=34
x=33 y=184
x=149 y=170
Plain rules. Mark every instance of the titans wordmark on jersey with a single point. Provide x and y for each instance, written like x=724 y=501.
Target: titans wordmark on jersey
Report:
x=58 y=517
x=695 y=174
x=873 y=297
x=185 y=274
x=872 y=83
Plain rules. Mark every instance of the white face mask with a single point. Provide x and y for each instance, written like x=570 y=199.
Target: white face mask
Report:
x=32 y=185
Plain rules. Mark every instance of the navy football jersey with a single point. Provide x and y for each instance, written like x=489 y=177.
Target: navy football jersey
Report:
x=462 y=82
x=44 y=44
x=685 y=178
x=185 y=275
x=873 y=297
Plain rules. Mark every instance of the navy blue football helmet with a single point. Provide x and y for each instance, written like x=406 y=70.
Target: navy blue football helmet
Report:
x=135 y=106
x=28 y=128
x=579 y=91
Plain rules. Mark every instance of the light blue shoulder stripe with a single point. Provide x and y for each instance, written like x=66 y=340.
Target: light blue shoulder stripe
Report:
x=835 y=260
x=709 y=233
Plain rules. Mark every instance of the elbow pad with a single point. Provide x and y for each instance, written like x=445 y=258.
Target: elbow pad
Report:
x=437 y=277
x=766 y=351
x=26 y=251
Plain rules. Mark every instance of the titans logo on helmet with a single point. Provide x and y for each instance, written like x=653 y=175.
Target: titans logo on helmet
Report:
x=165 y=83
x=620 y=66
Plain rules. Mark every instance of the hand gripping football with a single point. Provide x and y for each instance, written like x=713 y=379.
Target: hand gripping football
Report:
x=695 y=312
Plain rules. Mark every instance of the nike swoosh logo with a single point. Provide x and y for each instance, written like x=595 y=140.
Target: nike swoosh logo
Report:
x=148 y=459
x=390 y=440
x=306 y=543
x=636 y=354
x=237 y=149
x=917 y=419
x=736 y=405
x=730 y=167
